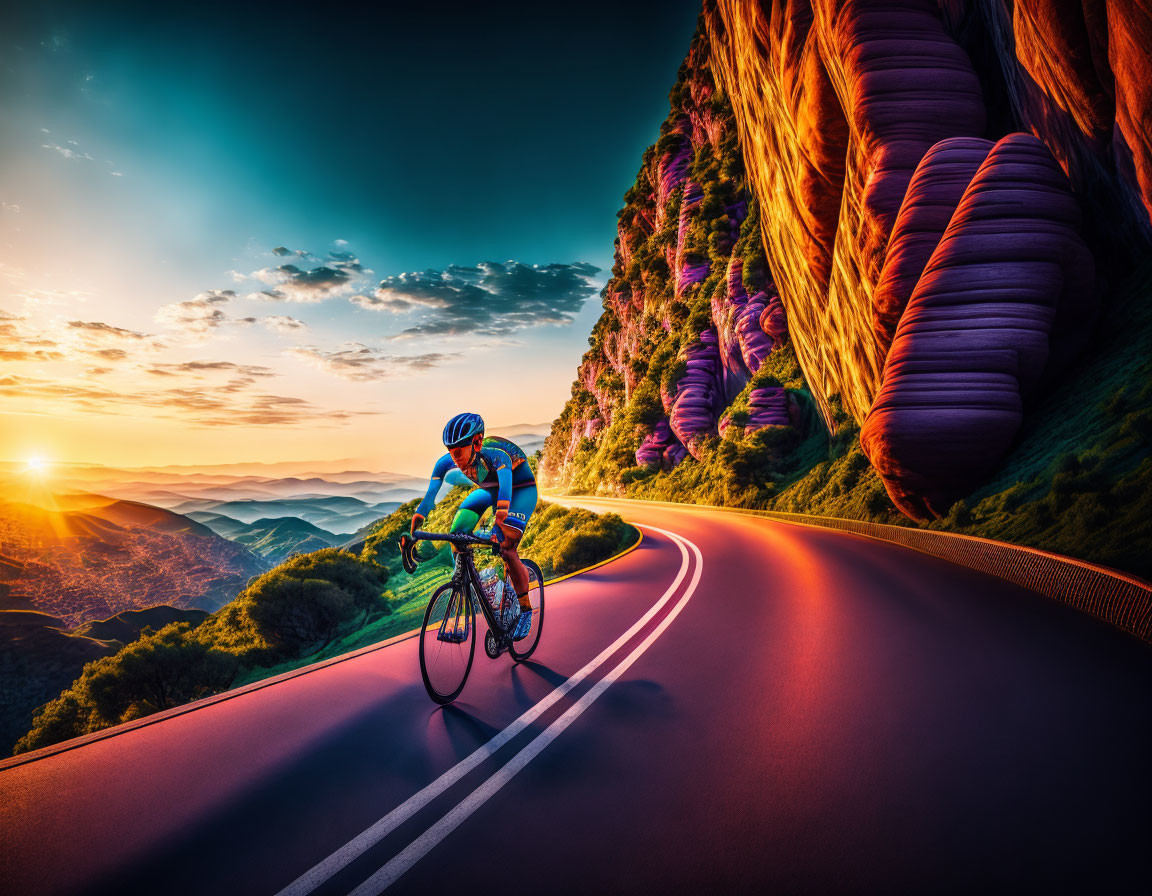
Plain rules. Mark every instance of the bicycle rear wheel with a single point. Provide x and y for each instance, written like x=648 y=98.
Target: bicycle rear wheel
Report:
x=444 y=660
x=521 y=650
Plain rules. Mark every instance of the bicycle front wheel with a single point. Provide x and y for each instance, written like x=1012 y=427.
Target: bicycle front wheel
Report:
x=521 y=650
x=447 y=643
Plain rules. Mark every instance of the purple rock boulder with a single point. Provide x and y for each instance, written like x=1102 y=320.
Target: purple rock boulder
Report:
x=1007 y=294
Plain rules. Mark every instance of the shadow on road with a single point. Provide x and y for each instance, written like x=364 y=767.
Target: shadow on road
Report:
x=464 y=730
x=634 y=701
x=547 y=673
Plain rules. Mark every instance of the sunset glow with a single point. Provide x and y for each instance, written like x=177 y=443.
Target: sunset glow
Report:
x=36 y=464
x=167 y=296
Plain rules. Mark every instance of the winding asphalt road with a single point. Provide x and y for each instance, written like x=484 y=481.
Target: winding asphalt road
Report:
x=737 y=705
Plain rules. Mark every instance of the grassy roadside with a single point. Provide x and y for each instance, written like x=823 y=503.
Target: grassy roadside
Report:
x=310 y=608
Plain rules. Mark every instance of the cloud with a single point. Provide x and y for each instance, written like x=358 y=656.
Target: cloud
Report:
x=9 y=324
x=360 y=363
x=224 y=406
x=199 y=316
x=280 y=324
x=72 y=151
x=68 y=153
x=386 y=303
x=106 y=330
x=109 y=354
x=23 y=342
x=293 y=284
x=489 y=299
x=338 y=274
x=103 y=340
x=202 y=367
x=347 y=262
x=71 y=341
x=22 y=355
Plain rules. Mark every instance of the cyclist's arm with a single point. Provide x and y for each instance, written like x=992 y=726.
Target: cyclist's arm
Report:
x=429 y=501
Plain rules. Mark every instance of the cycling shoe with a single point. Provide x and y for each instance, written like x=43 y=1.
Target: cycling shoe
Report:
x=523 y=625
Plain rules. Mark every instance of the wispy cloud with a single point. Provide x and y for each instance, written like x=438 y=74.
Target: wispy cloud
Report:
x=203 y=367
x=198 y=317
x=229 y=405
x=67 y=152
x=71 y=150
x=23 y=355
x=361 y=363
x=281 y=324
x=490 y=299
x=100 y=330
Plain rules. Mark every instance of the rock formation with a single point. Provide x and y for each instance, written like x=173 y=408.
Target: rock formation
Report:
x=839 y=103
x=936 y=186
x=1006 y=295
x=691 y=312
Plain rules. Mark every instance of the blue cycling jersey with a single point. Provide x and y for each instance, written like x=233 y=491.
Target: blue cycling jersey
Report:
x=499 y=464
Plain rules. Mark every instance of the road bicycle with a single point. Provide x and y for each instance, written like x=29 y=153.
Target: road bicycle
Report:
x=448 y=636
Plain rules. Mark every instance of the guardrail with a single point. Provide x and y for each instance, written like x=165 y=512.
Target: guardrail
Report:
x=1124 y=601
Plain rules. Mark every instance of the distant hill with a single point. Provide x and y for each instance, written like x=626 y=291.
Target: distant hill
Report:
x=39 y=658
x=224 y=526
x=131 y=514
x=278 y=539
x=125 y=627
x=92 y=557
x=338 y=514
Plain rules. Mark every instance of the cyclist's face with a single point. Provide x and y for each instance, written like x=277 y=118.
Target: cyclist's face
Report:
x=462 y=454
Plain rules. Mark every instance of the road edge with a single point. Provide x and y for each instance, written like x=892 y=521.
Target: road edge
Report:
x=1120 y=599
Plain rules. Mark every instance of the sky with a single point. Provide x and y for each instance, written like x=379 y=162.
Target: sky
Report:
x=259 y=233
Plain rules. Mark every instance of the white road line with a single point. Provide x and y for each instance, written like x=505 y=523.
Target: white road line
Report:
x=349 y=852
x=420 y=847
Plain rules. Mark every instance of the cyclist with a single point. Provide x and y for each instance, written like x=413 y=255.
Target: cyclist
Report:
x=504 y=481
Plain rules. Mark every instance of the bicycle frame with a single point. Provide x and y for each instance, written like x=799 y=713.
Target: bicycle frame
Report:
x=467 y=574
x=465 y=578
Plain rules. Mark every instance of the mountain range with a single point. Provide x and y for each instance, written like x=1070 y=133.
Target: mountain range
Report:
x=81 y=557
x=273 y=539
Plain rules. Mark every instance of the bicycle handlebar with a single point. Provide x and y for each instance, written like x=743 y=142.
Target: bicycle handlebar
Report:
x=460 y=539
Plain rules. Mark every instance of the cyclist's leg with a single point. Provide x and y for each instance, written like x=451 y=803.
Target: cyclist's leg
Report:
x=471 y=509
x=519 y=512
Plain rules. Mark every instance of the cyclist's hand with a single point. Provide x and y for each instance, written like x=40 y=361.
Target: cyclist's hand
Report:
x=501 y=516
x=406 y=554
x=417 y=520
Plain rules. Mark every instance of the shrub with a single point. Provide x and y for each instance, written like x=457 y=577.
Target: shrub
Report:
x=156 y=672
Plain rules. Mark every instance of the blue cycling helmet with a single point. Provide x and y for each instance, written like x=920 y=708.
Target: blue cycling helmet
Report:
x=461 y=428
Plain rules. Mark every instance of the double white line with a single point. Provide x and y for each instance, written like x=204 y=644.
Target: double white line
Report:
x=416 y=850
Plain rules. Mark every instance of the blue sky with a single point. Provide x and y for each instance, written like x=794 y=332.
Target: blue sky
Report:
x=306 y=231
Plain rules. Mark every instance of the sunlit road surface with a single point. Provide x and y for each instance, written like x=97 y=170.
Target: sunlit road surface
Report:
x=793 y=710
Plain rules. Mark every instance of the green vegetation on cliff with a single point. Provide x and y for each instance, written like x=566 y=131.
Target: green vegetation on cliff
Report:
x=1079 y=481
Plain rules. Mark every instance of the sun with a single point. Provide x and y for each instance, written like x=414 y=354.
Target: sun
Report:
x=36 y=464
